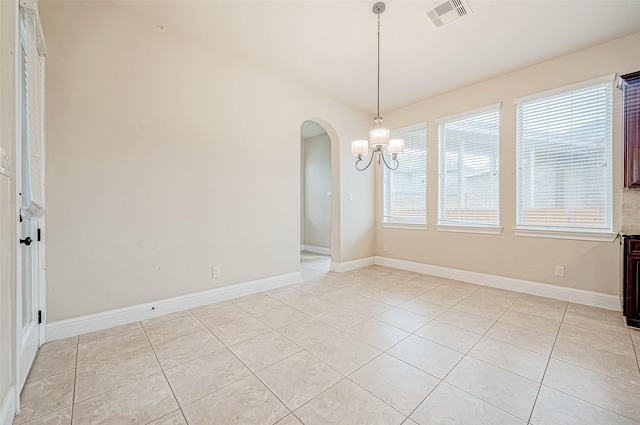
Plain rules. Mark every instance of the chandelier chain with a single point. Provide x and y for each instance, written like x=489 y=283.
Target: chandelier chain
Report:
x=378 y=106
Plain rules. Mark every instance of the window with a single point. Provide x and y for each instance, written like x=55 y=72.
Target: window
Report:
x=468 y=156
x=405 y=190
x=564 y=160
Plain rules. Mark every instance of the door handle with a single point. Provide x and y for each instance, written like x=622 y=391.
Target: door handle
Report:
x=27 y=241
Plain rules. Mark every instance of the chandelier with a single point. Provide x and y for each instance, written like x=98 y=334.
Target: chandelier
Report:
x=379 y=136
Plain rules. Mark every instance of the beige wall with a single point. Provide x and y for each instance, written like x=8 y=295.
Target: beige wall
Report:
x=166 y=158
x=7 y=229
x=591 y=266
x=317 y=182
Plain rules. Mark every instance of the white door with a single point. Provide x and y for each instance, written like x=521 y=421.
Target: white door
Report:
x=28 y=291
x=29 y=324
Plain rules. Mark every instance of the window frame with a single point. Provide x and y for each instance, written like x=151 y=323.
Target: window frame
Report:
x=555 y=231
x=460 y=226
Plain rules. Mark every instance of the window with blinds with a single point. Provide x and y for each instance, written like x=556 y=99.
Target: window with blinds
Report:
x=468 y=158
x=405 y=189
x=564 y=160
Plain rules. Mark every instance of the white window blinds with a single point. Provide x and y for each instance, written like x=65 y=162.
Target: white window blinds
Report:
x=32 y=112
x=564 y=161
x=405 y=190
x=468 y=157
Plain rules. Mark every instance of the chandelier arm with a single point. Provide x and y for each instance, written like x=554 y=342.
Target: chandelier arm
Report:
x=360 y=160
x=394 y=160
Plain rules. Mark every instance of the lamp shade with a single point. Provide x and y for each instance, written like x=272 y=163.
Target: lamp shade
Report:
x=395 y=146
x=379 y=137
x=359 y=147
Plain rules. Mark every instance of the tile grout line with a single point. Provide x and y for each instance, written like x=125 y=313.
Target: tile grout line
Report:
x=109 y=335
x=454 y=367
x=513 y=345
x=413 y=366
x=116 y=355
x=252 y=373
x=535 y=401
x=374 y=317
x=549 y=357
x=344 y=377
x=185 y=313
x=165 y=378
x=471 y=395
x=467 y=355
x=633 y=345
x=463 y=357
x=75 y=369
x=75 y=377
x=255 y=374
x=587 y=401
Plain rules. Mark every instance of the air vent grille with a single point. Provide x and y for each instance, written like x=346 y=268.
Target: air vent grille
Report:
x=447 y=12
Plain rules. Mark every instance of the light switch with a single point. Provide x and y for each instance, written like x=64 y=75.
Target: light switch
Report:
x=351 y=196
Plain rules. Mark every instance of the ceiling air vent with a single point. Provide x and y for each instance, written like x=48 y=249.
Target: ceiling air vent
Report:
x=448 y=12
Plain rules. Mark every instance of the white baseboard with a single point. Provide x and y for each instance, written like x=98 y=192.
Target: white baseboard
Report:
x=580 y=296
x=352 y=265
x=316 y=249
x=107 y=319
x=8 y=407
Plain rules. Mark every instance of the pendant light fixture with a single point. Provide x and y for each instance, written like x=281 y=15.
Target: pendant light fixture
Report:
x=379 y=136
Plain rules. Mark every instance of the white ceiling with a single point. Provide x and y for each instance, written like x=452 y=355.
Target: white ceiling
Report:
x=331 y=45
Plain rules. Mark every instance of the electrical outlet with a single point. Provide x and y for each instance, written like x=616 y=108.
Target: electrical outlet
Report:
x=385 y=248
x=560 y=271
x=215 y=272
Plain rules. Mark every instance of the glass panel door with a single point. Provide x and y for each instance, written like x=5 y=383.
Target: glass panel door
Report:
x=28 y=289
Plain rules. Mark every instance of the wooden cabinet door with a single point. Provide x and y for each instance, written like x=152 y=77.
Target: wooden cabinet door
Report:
x=631 y=299
x=630 y=85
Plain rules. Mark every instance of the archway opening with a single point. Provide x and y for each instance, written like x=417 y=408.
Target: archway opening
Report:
x=316 y=199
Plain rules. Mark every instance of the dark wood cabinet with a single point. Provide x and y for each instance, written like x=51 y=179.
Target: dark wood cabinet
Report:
x=630 y=86
x=631 y=280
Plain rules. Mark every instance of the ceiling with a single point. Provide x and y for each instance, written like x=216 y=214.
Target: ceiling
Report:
x=330 y=46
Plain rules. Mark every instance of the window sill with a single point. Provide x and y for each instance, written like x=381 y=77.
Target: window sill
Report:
x=559 y=234
x=406 y=226
x=485 y=230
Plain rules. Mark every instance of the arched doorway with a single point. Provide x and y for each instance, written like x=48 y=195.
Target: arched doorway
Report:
x=316 y=199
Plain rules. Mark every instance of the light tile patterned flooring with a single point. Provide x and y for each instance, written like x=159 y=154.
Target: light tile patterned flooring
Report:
x=372 y=346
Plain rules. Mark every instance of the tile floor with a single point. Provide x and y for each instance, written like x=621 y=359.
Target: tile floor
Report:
x=372 y=346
